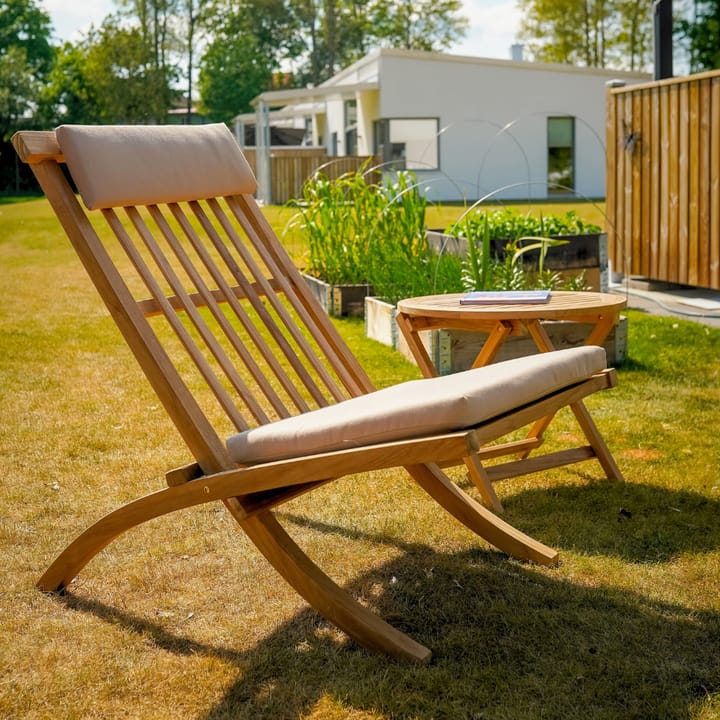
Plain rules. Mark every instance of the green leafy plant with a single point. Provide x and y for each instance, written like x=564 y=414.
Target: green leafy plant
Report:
x=402 y=264
x=498 y=244
x=507 y=224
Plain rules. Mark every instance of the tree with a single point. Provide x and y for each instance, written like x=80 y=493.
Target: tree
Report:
x=18 y=88
x=24 y=25
x=110 y=77
x=67 y=96
x=251 y=38
x=231 y=75
x=334 y=32
x=337 y=32
x=701 y=32
x=155 y=20
x=192 y=18
x=593 y=33
x=430 y=25
x=25 y=60
x=635 y=42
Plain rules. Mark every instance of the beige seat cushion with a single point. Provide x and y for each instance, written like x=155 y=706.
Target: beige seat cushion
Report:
x=419 y=407
x=121 y=165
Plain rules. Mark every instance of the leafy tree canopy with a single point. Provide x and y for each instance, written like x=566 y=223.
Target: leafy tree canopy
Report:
x=593 y=33
x=700 y=30
x=25 y=25
x=129 y=68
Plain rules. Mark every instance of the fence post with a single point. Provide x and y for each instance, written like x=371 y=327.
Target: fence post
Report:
x=262 y=158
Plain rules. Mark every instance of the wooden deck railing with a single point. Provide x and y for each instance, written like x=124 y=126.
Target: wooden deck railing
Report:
x=663 y=180
x=290 y=167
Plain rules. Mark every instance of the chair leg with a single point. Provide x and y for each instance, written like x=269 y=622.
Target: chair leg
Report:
x=99 y=535
x=287 y=558
x=321 y=592
x=483 y=483
x=478 y=518
x=262 y=528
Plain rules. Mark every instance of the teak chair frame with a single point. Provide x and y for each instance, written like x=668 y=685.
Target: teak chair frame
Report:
x=297 y=370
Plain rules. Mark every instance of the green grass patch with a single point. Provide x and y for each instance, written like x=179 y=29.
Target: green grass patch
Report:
x=182 y=618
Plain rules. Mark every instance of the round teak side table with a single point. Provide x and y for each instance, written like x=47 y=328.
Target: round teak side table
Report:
x=433 y=312
x=601 y=310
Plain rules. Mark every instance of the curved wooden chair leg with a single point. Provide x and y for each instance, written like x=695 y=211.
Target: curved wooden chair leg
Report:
x=478 y=518
x=282 y=552
x=99 y=535
x=321 y=592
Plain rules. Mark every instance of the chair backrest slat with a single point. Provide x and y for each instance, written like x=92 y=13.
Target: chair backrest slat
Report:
x=352 y=374
x=212 y=300
x=291 y=324
x=169 y=312
x=254 y=292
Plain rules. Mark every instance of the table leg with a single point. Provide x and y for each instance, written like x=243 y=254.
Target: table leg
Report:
x=426 y=365
x=540 y=336
x=587 y=424
x=492 y=345
x=601 y=330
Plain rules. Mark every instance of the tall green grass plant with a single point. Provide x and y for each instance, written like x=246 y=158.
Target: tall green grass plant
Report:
x=363 y=232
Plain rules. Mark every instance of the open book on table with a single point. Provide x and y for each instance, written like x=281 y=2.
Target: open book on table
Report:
x=505 y=297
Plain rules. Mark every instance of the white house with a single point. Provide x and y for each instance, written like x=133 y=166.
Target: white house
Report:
x=469 y=127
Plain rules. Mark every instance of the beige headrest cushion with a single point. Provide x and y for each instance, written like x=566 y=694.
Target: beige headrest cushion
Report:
x=119 y=165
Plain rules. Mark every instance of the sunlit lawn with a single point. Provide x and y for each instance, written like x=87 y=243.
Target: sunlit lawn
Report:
x=182 y=618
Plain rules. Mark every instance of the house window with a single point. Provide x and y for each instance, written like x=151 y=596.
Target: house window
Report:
x=351 y=127
x=561 y=155
x=408 y=143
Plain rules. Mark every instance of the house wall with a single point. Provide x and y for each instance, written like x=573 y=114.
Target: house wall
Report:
x=492 y=119
x=368 y=104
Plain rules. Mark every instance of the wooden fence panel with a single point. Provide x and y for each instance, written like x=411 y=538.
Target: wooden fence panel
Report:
x=663 y=180
x=290 y=167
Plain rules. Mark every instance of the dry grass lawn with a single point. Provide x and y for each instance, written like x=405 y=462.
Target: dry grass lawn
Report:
x=182 y=618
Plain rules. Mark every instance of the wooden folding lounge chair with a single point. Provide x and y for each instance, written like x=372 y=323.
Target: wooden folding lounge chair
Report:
x=237 y=349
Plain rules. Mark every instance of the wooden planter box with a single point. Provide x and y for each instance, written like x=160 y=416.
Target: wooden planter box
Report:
x=583 y=252
x=339 y=300
x=455 y=350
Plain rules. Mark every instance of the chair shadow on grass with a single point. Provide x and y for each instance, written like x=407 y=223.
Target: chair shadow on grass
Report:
x=635 y=522
x=509 y=639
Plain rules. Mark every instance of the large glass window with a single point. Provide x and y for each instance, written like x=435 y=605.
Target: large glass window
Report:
x=408 y=143
x=561 y=155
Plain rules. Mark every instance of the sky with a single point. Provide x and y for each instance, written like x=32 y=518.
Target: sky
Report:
x=493 y=23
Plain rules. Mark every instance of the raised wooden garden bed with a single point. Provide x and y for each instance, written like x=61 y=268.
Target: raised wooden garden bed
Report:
x=582 y=252
x=339 y=300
